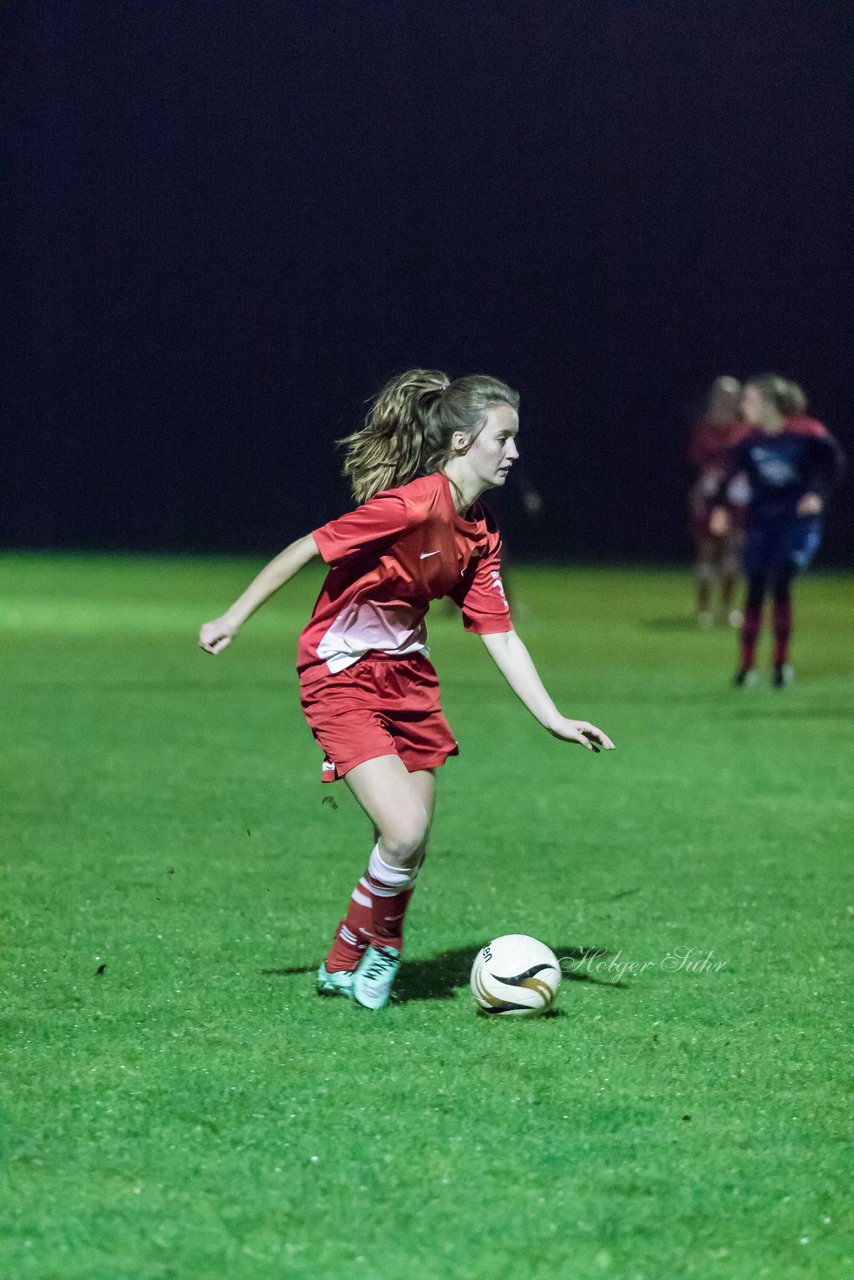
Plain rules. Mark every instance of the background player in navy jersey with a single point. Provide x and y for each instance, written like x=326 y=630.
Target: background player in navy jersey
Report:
x=791 y=462
x=429 y=448
x=716 y=556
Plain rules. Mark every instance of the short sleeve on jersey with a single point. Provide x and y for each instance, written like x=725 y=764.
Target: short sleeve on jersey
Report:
x=481 y=596
x=380 y=519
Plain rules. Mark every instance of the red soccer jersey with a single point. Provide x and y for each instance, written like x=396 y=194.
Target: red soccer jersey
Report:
x=801 y=425
x=387 y=560
x=709 y=443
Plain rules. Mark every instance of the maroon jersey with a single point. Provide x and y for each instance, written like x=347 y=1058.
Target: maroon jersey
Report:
x=710 y=443
x=388 y=559
x=709 y=449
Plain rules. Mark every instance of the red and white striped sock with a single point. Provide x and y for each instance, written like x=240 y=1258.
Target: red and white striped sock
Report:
x=375 y=914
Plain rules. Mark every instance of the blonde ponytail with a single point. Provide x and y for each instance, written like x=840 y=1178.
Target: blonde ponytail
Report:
x=411 y=423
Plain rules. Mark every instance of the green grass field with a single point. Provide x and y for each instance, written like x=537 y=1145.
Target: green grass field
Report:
x=177 y=1101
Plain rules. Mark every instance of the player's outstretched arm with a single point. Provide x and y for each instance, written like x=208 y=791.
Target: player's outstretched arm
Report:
x=516 y=665
x=219 y=633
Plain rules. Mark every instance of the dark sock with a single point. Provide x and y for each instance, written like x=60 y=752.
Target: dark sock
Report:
x=782 y=631
x=749 y=635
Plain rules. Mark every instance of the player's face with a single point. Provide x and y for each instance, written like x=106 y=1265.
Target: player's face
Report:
x=493 y=450
x=754 y=406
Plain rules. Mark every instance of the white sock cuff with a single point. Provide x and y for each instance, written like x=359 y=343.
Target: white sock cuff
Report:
x=397 y=878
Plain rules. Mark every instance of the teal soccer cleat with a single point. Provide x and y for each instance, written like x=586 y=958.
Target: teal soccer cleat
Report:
x=374 y=978
x=334 y=984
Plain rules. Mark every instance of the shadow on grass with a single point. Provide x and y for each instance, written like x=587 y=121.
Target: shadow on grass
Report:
x=437 y=977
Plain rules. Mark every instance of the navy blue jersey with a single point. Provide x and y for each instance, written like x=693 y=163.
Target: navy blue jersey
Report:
x=784 y=465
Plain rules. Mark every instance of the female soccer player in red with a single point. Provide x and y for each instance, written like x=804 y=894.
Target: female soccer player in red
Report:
x=429 y=448
x=791 y=463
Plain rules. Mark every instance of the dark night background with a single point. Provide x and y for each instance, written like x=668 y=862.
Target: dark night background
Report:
x=228 y=224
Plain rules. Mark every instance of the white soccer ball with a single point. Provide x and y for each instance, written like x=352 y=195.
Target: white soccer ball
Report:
x=515 y=976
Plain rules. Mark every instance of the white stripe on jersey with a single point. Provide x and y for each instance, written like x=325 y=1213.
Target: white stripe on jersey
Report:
x=373 y=624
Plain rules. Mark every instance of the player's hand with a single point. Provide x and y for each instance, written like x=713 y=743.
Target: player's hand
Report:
x=810 y=505
x=719 y=522
x=217 y=635
x=582 y=732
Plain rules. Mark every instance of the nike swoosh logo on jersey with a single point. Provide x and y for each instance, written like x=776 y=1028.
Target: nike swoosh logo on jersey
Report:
x=425 y=555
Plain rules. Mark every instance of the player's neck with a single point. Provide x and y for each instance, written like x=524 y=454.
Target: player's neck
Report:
x=465 y=488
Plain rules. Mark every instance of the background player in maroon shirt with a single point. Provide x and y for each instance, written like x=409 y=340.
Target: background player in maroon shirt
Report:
x=429 y=448
x=716 y=556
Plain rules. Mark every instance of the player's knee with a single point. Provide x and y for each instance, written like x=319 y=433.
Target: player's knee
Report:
x=404 y=837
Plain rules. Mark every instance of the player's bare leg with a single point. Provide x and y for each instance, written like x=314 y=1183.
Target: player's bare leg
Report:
x=729 y=578
x=400 y=805
x=704 y=580
x=370 y=938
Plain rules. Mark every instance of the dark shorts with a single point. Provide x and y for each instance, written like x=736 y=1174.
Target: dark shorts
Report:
x=380 y=706
x=781 y=544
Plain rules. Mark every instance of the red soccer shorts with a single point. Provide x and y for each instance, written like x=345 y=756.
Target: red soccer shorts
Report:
x=380 y=706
